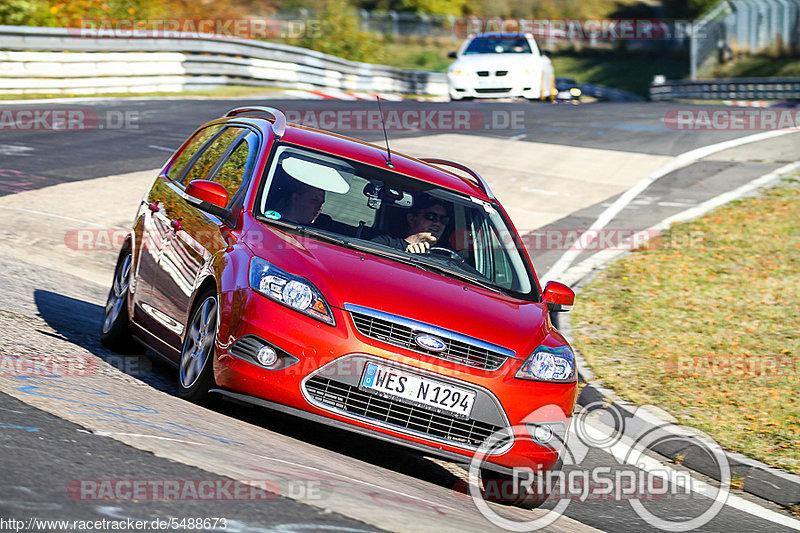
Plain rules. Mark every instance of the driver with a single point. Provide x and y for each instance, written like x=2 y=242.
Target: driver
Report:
x=425 y=225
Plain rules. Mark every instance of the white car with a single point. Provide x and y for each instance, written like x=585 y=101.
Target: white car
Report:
x=493 y=65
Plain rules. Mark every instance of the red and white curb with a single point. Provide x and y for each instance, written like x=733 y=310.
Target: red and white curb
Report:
x=332 y=94
x=340 y=95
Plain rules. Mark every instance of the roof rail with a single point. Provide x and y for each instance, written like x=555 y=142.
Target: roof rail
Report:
x=278 y=118
x=478 y=179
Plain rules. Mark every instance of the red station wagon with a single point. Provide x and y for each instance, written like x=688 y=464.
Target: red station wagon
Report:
x=329 y=278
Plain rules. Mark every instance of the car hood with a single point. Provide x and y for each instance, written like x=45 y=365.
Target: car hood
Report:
x=495 y=61
x=348 y=276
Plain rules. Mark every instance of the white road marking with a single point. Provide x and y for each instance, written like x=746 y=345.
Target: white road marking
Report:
x=162 y=148
x=15 y=150
x=538 y=191
x=565 y=261
x=517 y=137
x=576 y=273
x=673 y=204
x=34 y=212
x=621 y=450
x=116 y=433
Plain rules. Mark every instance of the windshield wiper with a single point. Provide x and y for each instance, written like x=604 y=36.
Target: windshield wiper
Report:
x=464 y=276
x=306 y=231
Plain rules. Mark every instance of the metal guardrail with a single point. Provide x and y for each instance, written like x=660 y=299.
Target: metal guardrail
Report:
x=607 y=93
x=32 y=59
x=728 y=89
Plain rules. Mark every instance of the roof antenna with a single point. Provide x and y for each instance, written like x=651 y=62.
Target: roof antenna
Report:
x=388 y=151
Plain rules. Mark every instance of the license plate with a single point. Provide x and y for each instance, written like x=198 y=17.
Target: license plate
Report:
x=414 y=389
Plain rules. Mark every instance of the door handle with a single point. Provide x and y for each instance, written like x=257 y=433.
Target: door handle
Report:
x=177 y=225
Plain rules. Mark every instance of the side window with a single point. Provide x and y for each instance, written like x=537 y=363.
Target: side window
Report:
x=203 y=166
x=198 y=141
x=232 y=172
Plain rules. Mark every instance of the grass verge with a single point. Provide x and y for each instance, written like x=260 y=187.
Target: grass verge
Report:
x=758 y=66
x=630 y=72
x=703 y=322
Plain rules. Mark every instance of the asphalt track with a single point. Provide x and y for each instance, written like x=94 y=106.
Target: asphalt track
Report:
x=368 y=485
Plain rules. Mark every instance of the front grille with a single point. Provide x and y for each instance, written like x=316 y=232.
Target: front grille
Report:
x=352 y=400
x=501 y=73
x=489 y=91
x=403 y=336
x=483 y=73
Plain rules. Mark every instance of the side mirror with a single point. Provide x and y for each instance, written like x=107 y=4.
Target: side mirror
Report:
x=452 y=55
x=559 y=297
x=208 y=196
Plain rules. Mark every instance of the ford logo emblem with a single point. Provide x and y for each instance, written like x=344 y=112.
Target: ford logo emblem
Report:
x=429 y=342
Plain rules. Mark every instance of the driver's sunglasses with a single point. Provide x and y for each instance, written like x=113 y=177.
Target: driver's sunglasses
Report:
x=436 y=217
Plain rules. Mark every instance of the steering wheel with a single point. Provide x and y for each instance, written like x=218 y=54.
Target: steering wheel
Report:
x=441 y=250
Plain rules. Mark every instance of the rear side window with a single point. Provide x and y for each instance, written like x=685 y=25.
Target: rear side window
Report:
x=232 y=172
x=202 y=167
x=198 y=141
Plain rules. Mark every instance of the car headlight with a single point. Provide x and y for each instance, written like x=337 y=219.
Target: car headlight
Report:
x=549 y=364
x=575 y=91
x=457 y=71
x=288 y=289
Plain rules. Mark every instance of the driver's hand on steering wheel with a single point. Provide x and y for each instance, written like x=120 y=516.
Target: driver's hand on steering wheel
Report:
x=419 y=243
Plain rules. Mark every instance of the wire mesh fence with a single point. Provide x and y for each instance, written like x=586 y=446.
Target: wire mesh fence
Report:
x=748 y=26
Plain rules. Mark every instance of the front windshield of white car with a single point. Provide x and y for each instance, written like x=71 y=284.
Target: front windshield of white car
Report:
x=376 y=210
x=498 y=45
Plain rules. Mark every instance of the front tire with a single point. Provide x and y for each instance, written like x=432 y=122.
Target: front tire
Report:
x=501 y=489
x=196 y=368
x=115 y=332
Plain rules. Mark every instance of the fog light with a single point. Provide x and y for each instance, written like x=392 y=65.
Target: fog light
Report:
x=543 y=434
x=548 y=434
x=267 y=356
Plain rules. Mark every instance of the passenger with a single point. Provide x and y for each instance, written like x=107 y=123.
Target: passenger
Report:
x=305 y=204
x=425 y=225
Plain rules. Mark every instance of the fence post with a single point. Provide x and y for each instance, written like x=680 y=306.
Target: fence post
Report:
x=692 y=52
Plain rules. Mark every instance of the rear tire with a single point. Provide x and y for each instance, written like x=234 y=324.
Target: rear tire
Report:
x=196 y=368
x=115 y=332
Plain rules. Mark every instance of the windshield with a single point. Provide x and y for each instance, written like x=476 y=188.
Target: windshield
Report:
x=389 y=214
x=498 y=45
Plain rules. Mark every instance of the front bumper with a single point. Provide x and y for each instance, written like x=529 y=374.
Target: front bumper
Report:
x=328 y=363
x=472 y=86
